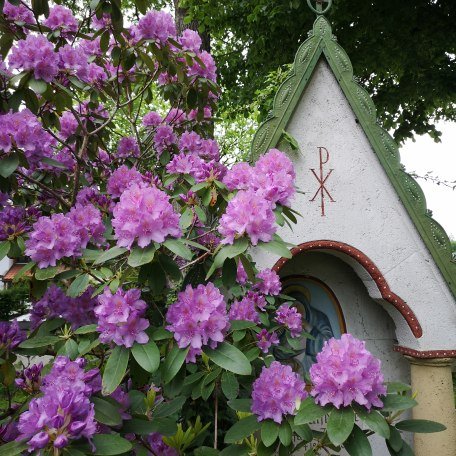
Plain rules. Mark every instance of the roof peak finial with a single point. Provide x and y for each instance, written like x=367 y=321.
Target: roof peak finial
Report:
x=318 y=8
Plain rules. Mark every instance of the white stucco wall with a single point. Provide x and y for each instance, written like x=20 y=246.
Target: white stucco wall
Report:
x=366 y=214
x=5 y=265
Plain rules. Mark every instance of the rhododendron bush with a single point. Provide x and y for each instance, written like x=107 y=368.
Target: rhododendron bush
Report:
x=151 y=330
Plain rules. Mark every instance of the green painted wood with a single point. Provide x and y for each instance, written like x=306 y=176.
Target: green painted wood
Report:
x=322 y=44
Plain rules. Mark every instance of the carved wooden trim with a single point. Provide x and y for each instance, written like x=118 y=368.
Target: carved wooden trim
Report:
x=425 y=353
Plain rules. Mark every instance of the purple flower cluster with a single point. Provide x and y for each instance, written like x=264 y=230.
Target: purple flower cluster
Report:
x=248 y=214
x=18 y=13
x=61 y=18
x=120 y=317
x=241 y=275
x=36 y=54
x=15 y=221
x=10 y=335
x=29 y=379
x=266 y=340
x=152 y=119
x=128 y=147
x=345 y=372
x=64 y=412
x=23 y=130
x=244 y=310
x=269 y=282
x=198 y=318
x=190 y=41
x=155 y=25
x=121 y=179
x=62 y=235
x=272 y=177
x=144 y=214
x=290 y=318
x=155 y=441
x=277 y=392
x=208 y=70
x=164 y=138
x=55 y=303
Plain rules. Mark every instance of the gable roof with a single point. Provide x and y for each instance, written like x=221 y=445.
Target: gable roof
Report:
x=322 y=44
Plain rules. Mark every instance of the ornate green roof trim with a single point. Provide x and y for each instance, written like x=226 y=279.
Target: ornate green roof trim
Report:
x=322 y=42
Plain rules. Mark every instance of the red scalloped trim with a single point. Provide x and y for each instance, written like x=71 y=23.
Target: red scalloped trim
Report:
x=372 y=270
x=425 y=353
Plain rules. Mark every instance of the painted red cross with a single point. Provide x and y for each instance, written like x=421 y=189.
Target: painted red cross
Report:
x=322 y=190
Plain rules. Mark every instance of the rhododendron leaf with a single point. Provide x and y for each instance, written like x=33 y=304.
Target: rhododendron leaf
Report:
x=147 y=355
x=115 y=369
x=4 y=249
x=375 y=421
x=173 y=363
x=195 y=244
x=186 y=218
x=78 y=286
x=303 y=430
x=394 y=402
x=285 y=434
x=229 y=271
x=420 y=426
x=105 y=412
x=113 y=252
x=170 y=267
x=166 y=409
x=269 y=432
x=110 y=444
x=230 y=358
x=23 y=271
x=340 y=425
x=397 y=387
x=276 y=247
x=240 y=405
x=235 y=450
x=395 y=439
x=41 y=341
x=177 y=247
x=8 y=165
x=237 y=325
x=242 y=429
x=87 y=329
x=37 y=85
x=357 y=443
x=48 y=273
x=69 y=349
x=206 y=451
x=230 y=385
x=13 y=448
x=139 y=256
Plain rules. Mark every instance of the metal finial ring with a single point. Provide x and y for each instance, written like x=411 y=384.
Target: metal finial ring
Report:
x=322 y=11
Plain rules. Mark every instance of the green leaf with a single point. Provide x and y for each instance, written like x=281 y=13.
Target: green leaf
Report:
x=69 y=349
x=303 y=430
x=239 y=246
x=13 y=448
x=178 y=248
x=309 y=411
x=394 y=402
x=139 y=256
x=110 y=444
x=374 y=421
x=110 y=254
x=173 y=363
x=285 y=434
x=186 y=218
x=229 y=272
x=420 y=426
x=23 y=270
x=395 y=439
x=87 y=329
x=78 y=286
x=340 y=425
x=235 y=450
x=239 y=325
x=37 y=85
x=230 y=385
x=106 y=412
x=397 y=387
x=115 y=369
x=241 y=405
x=276 y=247
x=138 y=426
x=269 y=432
x=242 y=429
x=4 y=249
x=358 y=444
x=45 y=274
x=8 y=165
x=404 y=451
x=206 y=451
x=166 y=409
x=230 y=358
x=147 y=355
x=37 y=342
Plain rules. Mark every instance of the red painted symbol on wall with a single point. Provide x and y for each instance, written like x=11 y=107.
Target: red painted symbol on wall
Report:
x=322 y=190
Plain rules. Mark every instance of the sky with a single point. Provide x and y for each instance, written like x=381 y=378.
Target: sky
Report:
x=425 y=155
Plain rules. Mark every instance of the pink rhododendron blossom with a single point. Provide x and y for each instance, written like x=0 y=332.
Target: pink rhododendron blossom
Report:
x=128 y=147
x=241 y=275
x=120 y=317
x=239 y=177
x=190 y=40
x=269 y=282
x=18 y=13
x=248 y=214
x=164 y=138
x=345 y=373
x=36 y=54
x=244 y=310
x=144 y=214
x=156 y=25
x=290 y=318
x=266 y=340
x=121 y=179
x=198 y=318
x=277 y=392
x=152 y=119
x=61 y=18
x=209 y=71
x=89 y=224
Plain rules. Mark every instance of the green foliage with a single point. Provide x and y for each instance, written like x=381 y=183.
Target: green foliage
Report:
x=13 y=301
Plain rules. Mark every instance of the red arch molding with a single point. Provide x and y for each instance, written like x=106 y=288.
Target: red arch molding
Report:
x=372 y=270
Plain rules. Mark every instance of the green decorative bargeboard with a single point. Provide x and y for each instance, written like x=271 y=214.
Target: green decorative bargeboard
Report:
x=322 y=43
